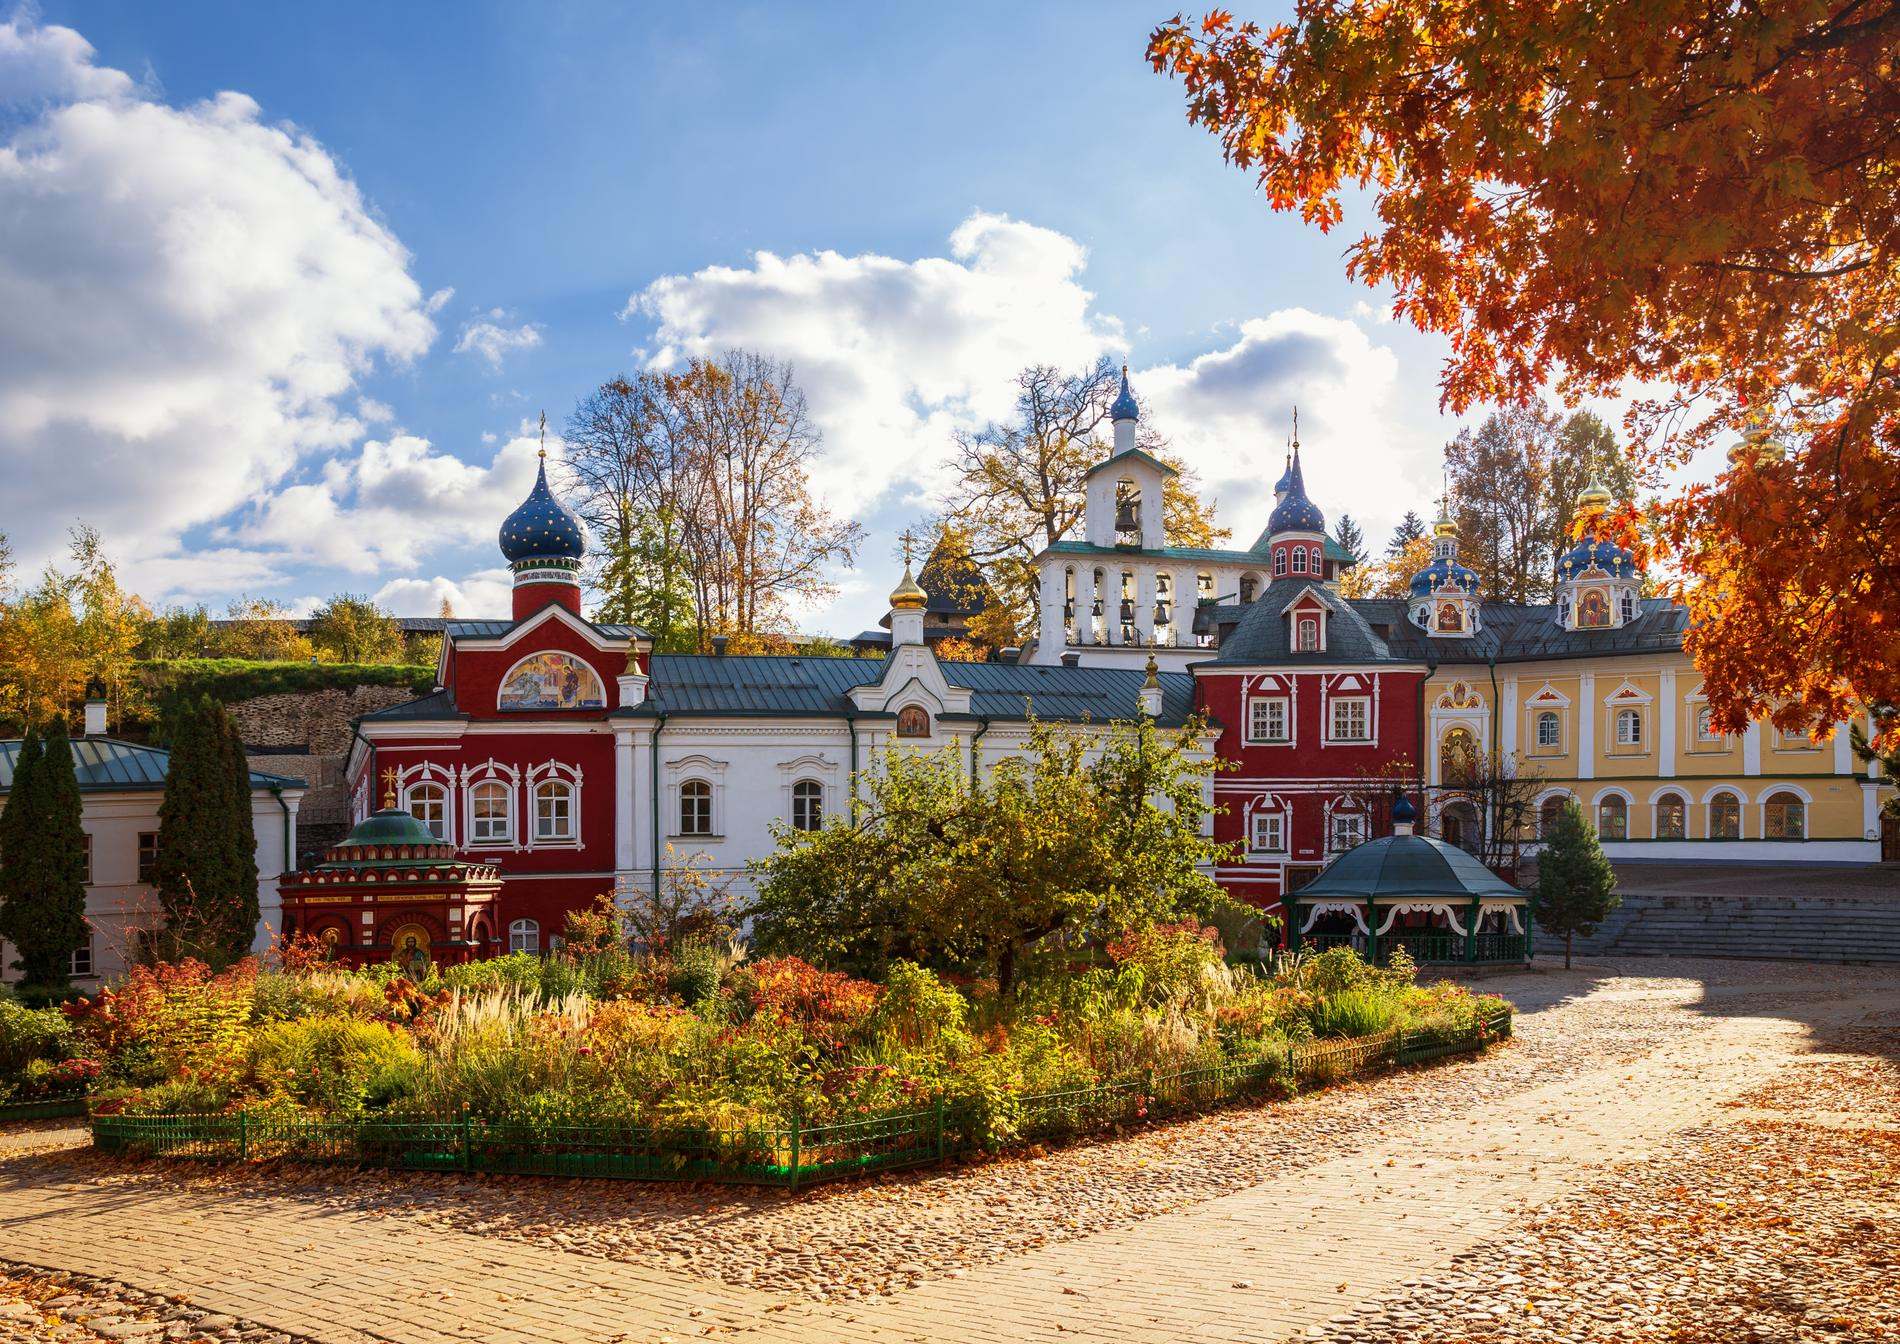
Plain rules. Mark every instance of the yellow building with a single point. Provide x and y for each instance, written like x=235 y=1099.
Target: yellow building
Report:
x=1591 y=697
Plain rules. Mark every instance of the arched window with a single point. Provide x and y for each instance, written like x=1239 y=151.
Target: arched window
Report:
x=1309 y=634
x=808 y=805
x=1316 y=565
x=1248 y=586
x=1629 y=728
x=1548 y=813
x=1550 y=729
x=553 y=810
x=1299 y=559
x=1784 y=817
x=429 y=804
x=524 y=935
x=491 y=819
x=696 y=799
x=1672 y=817
x=913 y=721
x=1458 y=757
x=1629 y=607
x=1613 y=819
x=1705 y=729
x=1279 y=563
x=1725 y=817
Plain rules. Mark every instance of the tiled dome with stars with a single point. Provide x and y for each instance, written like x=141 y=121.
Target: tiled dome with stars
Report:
x=542 y=528
x=1296 y=513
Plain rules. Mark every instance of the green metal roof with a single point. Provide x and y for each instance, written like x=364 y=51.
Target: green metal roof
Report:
x=1395 y=867
x=1132 y=455
x=107 y=765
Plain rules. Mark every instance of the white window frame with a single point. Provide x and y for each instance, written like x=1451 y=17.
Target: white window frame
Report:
x=1656 y=806
x=1341 y=824
x=1797 y=800
x=1363 y=703
x=524 y=935
x=440 y=800
x=564 y=776
x=1279 y=563
x=1629 y=727
x=482 y=830
x=1621 y=802
x=1267 y=825
x=1268 y=703
x=1741 y=814
x=810 y=791
x=1705 y=729
x=693 y=785
x=562 y=797
x=1301 y=625
x=1556 y=720
x=80 y=964
x=1299 y=559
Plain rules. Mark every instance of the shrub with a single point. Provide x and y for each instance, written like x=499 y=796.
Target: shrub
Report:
x=1172 y=959
x=695 y=973
x=29 y=1034
x=1352 y=1012
x=336 y=1064
x=518 y=971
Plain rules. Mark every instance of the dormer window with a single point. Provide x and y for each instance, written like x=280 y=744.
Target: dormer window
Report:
x=1629 y=607
x=1279 y=564
x=1308 y=636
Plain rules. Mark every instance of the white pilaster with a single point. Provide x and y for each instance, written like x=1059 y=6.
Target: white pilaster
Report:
x=1507 y=719
x=623 y=799
x=1751 y=749
x=1145 y=604
x=1666 y=724
x=1587 y=725
x=1843 y=750
x=1870 y=811
x=1153 y=536
x=1055 y=635
x=1085 y=605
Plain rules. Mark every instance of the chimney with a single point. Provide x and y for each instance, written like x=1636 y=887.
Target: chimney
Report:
x=95 y=708
x=719 y=645
x=1071 y=658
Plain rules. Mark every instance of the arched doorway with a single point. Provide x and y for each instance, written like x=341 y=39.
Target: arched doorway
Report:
x=1458 y=824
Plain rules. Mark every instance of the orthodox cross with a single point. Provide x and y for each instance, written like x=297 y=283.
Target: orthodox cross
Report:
x=1296 y=426
x=908 y=541
x=389 y=787
x=544 y=435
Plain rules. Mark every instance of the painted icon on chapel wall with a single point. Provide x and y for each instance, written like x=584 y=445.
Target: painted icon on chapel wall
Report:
x=552 y=681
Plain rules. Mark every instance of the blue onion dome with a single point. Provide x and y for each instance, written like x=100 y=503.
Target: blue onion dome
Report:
x=1402 y=810
x=1296 y=513
x=1124 y=407
x=542 y=528
x=1596 y=553
x=1285 y=483
x=1443 y=573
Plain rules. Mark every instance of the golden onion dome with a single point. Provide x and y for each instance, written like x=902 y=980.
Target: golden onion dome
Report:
x=1446 y=526
x=908 y=595
x=1757 y=446
x=1596 y=495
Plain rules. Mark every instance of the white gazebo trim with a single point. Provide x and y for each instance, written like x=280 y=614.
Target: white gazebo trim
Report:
x=1421 y=907
x=1319 y=908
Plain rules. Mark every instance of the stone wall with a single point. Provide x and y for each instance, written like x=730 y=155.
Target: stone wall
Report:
x=307 y=735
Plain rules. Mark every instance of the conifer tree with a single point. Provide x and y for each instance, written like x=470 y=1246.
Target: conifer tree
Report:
x=207 y=844
x=1410 y=529
x=45 y=866
x=1576 y=887
x=16 y=831
x=1352 y=537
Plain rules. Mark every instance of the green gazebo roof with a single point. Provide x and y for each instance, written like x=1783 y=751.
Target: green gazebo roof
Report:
x=1401 y=867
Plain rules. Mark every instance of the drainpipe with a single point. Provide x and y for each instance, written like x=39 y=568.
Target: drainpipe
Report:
x=973 y=741
x=851 y=722
x=1497 y=766
x=653 y=788
x=1424 y=809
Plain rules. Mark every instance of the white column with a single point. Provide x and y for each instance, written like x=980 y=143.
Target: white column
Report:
x=1587 y=725
x=1870 y=810
x=1085 y=604
x=1054 y=635
x=1666 y=724
x=623 y=800
x=1112 y=607
x=1507 y=719
x=1145 y=605
x=1751 y=749
x=1843 y=750
x=1153 y=536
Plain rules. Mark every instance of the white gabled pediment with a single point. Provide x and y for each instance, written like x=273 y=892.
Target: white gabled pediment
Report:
x=1627 y=694
x=1314 y=591
x=1350 y=682
x=1549 y=697
x=912 y=675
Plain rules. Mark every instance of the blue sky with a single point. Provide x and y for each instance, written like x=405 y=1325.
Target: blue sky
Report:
x=950 y=191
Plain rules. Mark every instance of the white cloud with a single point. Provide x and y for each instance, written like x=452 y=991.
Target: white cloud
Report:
x=484 y=595
x=190 y=296
x=893 y=355
x=386 y=507
x=493 y=343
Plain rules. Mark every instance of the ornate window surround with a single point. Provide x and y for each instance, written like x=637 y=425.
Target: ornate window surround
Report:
x=554 y=772
x=492 y=771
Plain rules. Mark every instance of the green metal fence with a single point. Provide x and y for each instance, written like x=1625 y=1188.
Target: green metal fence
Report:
x=793 y=1155
x=43 y=1108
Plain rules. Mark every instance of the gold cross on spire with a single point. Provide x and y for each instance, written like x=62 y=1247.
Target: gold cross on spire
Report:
x=1296 y=427
x=544 y=436
x=389 y=786
x=908 y=541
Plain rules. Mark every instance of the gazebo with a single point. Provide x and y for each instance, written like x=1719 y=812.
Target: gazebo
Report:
x=1404 y=890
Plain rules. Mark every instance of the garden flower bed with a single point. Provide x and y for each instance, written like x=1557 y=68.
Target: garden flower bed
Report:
x=702 y=1066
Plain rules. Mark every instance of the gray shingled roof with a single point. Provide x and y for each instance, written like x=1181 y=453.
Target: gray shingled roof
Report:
x=496 y=629
x=437 y=704
x=107 y=765
x=707 y=685
x=1264 y=634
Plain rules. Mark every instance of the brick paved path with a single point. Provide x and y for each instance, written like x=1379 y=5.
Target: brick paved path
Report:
x=1264 y=1264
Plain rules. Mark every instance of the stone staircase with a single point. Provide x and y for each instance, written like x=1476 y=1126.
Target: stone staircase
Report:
x=1784 y=928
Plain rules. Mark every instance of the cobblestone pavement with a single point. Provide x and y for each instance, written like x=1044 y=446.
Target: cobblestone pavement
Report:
x=1256 y=1223
x=37 y=1307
